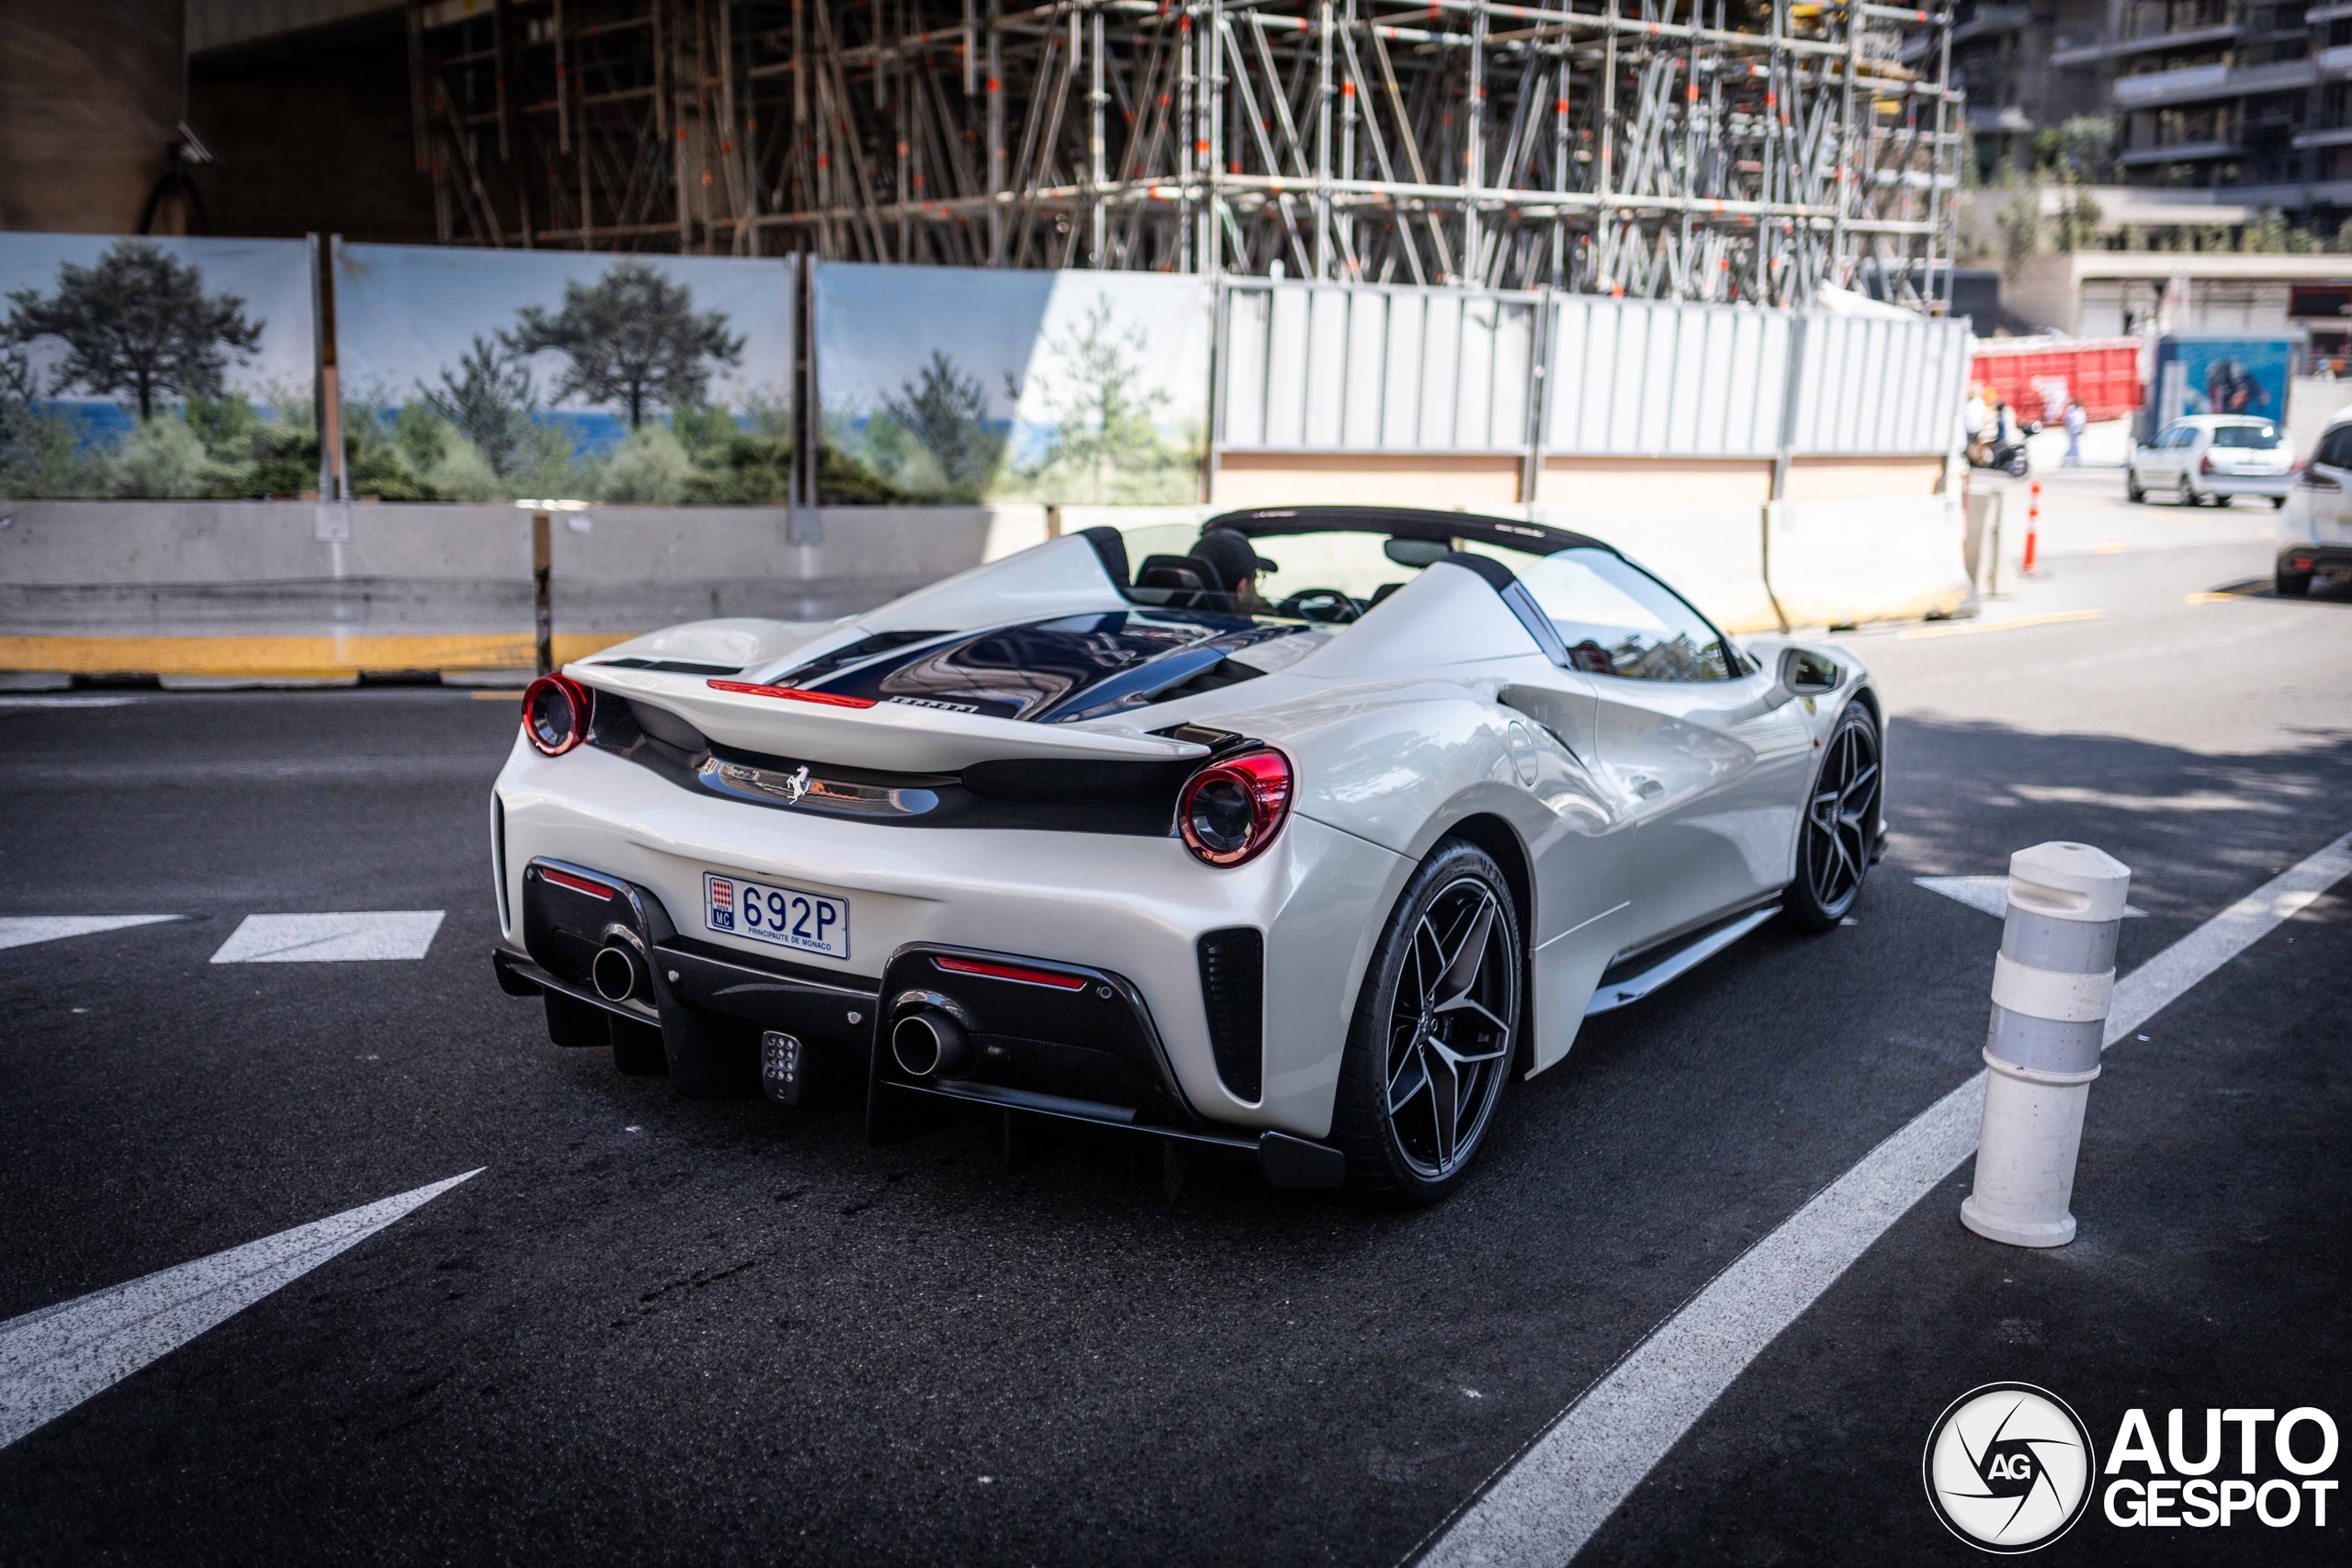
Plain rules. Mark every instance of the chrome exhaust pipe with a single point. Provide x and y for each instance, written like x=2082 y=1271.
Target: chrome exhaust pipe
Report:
x=931 y=1045
x=618 y=972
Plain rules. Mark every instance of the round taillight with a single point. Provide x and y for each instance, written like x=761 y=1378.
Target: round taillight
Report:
x=555 y=714
x=1229 y=813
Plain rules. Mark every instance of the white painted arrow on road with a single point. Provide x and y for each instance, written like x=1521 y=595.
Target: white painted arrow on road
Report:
x=53 y=1360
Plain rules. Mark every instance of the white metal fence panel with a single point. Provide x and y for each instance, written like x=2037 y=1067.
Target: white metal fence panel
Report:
x=1635 y=379
x=1352 y=368
x=1869 y=385
x=1325 y=366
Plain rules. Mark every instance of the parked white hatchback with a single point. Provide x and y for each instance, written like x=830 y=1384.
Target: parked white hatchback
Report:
x=2211 y=459
x=2315 y=530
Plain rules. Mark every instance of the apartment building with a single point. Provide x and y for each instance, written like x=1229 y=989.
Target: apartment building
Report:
x=2248 y=99
x=2006 y=55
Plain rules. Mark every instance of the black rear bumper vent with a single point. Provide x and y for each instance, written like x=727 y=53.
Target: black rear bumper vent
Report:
x=1233 y=991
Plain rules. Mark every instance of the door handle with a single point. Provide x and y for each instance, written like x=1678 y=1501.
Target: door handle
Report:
x=1645 y=786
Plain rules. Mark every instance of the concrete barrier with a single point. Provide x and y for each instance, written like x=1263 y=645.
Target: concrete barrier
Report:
x=1842 y=562
x=262 y=589
x=1983 y=544
x=283 y=590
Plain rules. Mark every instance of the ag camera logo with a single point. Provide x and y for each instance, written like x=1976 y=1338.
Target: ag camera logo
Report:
x=2009 y=1467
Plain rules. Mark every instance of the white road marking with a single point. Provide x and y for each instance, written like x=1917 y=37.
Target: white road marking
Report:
x=23 y=930
x=15 y=704
x=53 y=1360
x=1549 y=1500
x=331 y=938
x=1990 y=894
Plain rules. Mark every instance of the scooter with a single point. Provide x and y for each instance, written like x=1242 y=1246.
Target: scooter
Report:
x=2008 y=456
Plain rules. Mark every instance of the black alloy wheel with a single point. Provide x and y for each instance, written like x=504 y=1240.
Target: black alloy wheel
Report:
x=1841 y=824
x=1435 y=1031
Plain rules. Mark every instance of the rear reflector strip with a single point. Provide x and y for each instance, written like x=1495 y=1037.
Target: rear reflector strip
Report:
x=830 y=699
x=1010 y=972
x=577 y=884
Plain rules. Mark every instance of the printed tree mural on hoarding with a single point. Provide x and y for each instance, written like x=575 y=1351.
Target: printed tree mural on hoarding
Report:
x=632 y=338
x=136 y=325
x=946 y=411
x=1106 y=444
x=489 y=400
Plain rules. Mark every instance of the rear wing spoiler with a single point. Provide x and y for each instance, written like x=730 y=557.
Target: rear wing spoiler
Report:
x=889 y=737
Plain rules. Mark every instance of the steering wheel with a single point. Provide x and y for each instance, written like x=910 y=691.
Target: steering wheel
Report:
x=1324 y=604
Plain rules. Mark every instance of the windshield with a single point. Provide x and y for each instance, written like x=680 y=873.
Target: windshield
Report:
x=2261 y=437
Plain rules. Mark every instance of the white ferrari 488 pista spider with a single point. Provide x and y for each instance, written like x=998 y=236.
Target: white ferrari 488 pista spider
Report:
x=1298 y=842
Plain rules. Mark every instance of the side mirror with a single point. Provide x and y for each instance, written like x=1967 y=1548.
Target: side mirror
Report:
x=1804 y=673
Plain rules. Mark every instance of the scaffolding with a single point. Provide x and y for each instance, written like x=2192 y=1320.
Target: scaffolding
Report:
x=1742 y=151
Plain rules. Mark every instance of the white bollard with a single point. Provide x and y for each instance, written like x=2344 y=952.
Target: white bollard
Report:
x=2051 y=986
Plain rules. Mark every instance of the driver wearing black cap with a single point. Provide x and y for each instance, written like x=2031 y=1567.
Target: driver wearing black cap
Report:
x=1227 y=552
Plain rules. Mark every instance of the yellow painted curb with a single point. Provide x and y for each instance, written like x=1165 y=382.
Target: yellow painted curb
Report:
x=291 y=657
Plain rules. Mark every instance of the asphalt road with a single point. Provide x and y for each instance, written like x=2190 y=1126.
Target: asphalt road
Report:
x=653 y=1329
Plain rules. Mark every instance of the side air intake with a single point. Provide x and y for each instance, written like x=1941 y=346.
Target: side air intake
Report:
x=1233 y=991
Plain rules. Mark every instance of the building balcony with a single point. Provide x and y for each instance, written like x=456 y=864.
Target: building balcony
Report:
x=2124 y=49
x=2179 y=153
x=2204 y=83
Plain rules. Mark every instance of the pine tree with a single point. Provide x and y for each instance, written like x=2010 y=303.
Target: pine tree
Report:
x=491 y=401
x=632 y=337
x=136 y=324
x=944 y=411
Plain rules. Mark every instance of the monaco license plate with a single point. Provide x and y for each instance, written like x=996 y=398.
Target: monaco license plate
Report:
x=782 y=917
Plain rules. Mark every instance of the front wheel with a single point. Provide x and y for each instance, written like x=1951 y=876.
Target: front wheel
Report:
x=1840 y=821
x=1435 y=1030
x=2019 y=465
x=2132 y=490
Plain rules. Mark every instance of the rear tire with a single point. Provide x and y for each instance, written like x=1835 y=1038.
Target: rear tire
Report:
x=1841 y=834
x=2277 y=503
x=2187 y=492
x=1435 y=1033
x=2292 y=585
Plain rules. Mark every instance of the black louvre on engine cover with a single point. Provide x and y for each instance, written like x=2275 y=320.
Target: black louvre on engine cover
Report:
x=1233 y=989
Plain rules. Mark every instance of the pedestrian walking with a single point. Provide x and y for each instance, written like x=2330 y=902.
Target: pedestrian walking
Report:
x=2076 y=420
